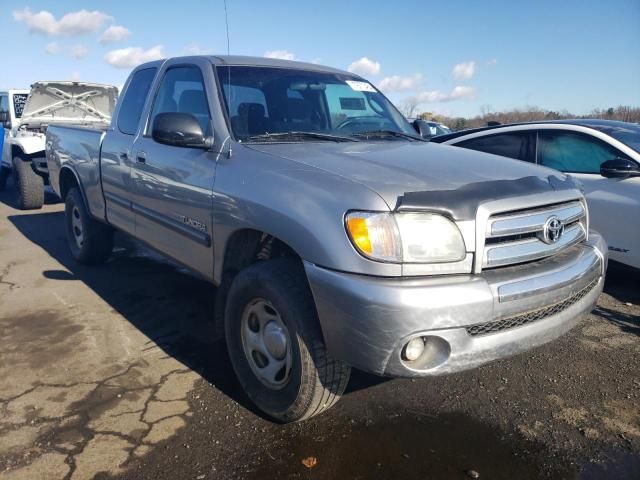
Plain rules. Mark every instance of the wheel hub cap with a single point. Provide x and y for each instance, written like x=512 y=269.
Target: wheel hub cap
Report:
x=266 y=343
x=76 y=227
x=275 y=339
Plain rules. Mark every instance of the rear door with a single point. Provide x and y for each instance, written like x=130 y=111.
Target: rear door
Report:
x=173 y=185
x=519 y=145
x=614 y=203
x=116 y=158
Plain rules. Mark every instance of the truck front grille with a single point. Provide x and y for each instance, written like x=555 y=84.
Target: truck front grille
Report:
x=518 y=237
x=530 y=317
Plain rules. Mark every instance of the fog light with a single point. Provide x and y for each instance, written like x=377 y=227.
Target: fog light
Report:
x=413 y=349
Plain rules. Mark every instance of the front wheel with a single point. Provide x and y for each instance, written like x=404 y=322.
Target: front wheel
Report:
x=90 y=241
x=275 y=343
x=29 y=185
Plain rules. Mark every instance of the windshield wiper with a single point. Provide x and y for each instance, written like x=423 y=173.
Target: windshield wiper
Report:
x=389 y=133
x=300 y=135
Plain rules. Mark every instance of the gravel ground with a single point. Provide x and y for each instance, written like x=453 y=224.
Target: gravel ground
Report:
x=114 y=372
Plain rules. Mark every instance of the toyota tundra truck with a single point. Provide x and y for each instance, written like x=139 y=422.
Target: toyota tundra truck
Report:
x=31 y=112
x=335 y=235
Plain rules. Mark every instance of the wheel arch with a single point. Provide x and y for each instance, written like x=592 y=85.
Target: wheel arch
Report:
x=247 y=246
x=68 y=179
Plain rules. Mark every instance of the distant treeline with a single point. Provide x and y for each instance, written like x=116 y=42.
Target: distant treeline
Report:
x=532 y=114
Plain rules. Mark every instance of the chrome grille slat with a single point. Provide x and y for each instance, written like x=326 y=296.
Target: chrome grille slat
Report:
x=508 y=253
x=517 y=236
x=532 y=221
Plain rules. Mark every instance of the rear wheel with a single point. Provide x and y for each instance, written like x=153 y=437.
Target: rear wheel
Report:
x=275 y=343
x=29 y=185
x=90 y=241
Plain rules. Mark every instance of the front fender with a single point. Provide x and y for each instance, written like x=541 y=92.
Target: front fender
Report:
x=29 y=144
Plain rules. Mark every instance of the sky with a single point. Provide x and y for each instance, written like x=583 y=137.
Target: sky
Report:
x=457 y=58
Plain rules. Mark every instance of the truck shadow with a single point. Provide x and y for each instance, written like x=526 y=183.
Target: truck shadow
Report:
x=164 y=301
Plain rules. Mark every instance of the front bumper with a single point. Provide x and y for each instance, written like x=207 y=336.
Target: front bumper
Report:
x=467 y=320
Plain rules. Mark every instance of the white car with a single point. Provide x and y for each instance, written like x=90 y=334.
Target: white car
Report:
x=11 y=107
x=603 y=154
x=27 y=114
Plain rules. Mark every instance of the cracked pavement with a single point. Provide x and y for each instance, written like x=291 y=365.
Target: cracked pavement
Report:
x=82 y=389
x=114 y=372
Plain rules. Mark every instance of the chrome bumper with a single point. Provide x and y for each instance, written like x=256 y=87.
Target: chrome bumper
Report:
x=469 y=320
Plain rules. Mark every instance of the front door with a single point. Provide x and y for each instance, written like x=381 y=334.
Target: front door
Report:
x=614 y=203
x=172 y=199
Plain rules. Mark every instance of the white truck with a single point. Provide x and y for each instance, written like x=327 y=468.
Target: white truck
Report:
x=26 y=115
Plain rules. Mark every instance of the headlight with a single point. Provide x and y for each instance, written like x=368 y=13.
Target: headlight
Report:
x=405 y=237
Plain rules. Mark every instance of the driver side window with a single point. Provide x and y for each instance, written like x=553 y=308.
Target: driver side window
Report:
x=182 y=90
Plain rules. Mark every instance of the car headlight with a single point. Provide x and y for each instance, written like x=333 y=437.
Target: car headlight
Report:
x=405 y=237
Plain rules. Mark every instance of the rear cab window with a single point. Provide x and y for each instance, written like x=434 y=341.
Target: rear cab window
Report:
x=134 y=99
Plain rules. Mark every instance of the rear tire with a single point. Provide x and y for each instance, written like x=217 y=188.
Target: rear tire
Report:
x=308 y=381
x=89 y=240
x=29 y=185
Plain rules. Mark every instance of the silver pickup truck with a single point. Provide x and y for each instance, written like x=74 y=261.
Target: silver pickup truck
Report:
x=335 y=235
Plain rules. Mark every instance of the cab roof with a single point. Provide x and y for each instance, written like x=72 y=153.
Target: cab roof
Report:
x=254 y=62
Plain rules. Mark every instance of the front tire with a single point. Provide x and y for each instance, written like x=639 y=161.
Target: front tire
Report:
x=90 y=241
x=29 y=185
x=275 y=343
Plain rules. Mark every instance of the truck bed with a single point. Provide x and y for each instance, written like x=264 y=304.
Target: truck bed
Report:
x=78 y=148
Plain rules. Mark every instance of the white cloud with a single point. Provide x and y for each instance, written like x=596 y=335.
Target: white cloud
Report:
x=464 y=71
x=195 y=49
x=492 y=63
x=73 y=23
x=133 y=56
x=396 y=83
x=52 y=48
x=79 y=51
x=281 y=54
x=364 y=66
x=433 y=96
x=115 y=33
x=74 y=77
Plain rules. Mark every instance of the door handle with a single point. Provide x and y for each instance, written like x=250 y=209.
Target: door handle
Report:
x=124 y=156
x=141 y=157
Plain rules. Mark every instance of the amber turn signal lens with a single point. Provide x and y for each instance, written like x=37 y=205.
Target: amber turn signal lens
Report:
x=360 y=233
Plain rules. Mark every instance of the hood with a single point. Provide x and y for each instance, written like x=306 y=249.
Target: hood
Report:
x=69 y=102
x=425 y=175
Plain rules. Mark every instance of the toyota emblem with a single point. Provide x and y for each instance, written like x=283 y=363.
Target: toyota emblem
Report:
x=553 y=230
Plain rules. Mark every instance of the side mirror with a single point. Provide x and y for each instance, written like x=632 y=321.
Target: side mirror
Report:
x=179 y=130
x=619 y=168
x=422 y=128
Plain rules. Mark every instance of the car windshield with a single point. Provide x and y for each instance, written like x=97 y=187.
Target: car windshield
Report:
x=263 y=103
x=627 y=133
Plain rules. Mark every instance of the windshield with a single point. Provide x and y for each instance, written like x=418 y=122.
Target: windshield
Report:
x=627 y=133
x=19 y=99
x=261 y=101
